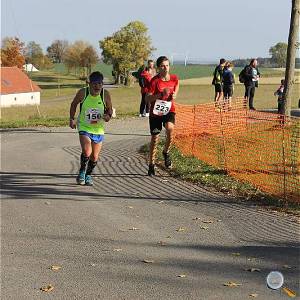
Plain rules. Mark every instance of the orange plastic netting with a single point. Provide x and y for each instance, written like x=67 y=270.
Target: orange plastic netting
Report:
x=253 y=146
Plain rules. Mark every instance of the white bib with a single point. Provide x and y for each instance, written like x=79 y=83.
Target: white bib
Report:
x=92 y=115
x=162 y=107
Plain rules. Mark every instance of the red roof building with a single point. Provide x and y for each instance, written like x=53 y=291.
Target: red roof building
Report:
x=17 y=88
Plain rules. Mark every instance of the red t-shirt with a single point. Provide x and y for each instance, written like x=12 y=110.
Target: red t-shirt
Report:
x=157 y=85
x=147 y=79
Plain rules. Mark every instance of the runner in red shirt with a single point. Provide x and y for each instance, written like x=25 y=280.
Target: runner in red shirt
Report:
x=161 y=95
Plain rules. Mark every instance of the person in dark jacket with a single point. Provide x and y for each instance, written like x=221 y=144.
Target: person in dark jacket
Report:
x=217 y=81
x=252 y=76
x=228 y=83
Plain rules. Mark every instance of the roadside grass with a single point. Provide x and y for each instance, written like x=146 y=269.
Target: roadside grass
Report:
x=191 y=169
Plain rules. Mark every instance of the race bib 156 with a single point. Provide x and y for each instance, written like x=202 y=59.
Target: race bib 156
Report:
x=93 y=115
x=161 y=107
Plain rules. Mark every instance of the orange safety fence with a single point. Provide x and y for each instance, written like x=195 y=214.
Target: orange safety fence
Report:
x=253 y=146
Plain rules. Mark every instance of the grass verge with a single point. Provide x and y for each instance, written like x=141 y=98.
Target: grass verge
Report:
x=193 y=170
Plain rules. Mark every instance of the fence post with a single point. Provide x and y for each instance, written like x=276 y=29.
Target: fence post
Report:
x=223 y=140
x=283 y=160
x=194 y=121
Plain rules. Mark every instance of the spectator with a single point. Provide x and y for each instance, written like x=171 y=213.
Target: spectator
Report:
x=228 y=83
x=251 y=76
x=280 y=100
x=217 y=81
x=146 y=75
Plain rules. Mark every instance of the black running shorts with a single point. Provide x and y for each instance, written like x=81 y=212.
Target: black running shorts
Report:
x=156 y=123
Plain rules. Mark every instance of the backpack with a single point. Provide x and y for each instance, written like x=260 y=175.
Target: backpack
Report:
x=242 y=75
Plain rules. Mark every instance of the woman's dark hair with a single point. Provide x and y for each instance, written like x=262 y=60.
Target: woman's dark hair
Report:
x=160 y=60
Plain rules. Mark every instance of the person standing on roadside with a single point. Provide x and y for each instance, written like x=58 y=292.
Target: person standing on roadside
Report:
x=228 y=83
x=251 y=78
x=161 y=96
x=147 y=74
x=217 y=81
x=95 y=109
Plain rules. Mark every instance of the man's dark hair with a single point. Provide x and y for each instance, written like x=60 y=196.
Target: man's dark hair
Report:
x=252 y=61
x=222 y=61
x=149 y=61
x=160 y=60
x=96 y=77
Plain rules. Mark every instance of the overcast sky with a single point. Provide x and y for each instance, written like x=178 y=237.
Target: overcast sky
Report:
x=205 y=29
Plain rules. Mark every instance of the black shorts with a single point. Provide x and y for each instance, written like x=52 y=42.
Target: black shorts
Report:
x=218 y=88
x=156 y=123
x=228 y=91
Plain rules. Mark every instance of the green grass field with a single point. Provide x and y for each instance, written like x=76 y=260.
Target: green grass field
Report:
x=58 y=90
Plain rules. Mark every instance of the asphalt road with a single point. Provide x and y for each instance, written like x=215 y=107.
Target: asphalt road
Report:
x=101 y=235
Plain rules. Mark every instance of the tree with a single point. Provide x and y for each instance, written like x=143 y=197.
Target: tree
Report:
x=56 y=51
x=34 y=54
x=278 y=54
x=127 y=49
x=88 y=58
x=291 y=55
x=12 y=52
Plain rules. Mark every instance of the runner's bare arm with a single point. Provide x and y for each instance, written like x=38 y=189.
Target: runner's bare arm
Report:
x=108 y=104
x=77 y=99
x=176 y=90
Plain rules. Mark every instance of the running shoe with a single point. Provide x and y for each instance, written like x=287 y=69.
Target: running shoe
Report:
x=88 y=180
x=168 y=162
x=151 y=170
x=81 y=178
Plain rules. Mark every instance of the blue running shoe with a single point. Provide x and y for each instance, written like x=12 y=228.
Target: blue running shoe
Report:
x=88 y=180
x=81 y=178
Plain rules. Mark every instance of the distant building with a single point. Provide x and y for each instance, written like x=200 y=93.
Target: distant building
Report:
x=30 y=68
x=17 y=89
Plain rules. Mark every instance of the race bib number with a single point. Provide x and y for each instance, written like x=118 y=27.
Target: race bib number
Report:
x=93 y=115
x=161 y=107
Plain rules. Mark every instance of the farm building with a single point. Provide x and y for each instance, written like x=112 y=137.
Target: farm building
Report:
x=30 y=68
x=17 y=89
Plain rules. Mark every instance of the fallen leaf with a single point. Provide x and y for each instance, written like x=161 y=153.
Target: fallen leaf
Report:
x=55 y=268
x=168 y=237
x=195 y=219
x=232 y=284
x=286 y=266
x=236 y=254
x=47 y=288
x=251 y=258
x=208 y=221
x=204 y=227
x=162 y=243
x=93 y=265
x=253 y=270
x=289 y=292
x=133 y=228
x=181 y=275
x=253 y=295
x=219 y=220
x=47 y=203
x=161 y=201
x=148 y=261
x=117 y=250
x=130 y=207
x=180 y=229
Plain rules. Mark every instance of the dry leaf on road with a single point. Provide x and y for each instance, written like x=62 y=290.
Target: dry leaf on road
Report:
x=195 y=219
x=207 y=221
x=232 y=284
x=286 y=267
x=162 y=243
x=253 y=270
x=236 y=254
x=181 y=275
x=55 y=268
x=204 y=227
x=148 y=261
x=180 y=229
x=117 y=250
x=289 y=292
x=133 y=228
x=253 y=295
x=47 y=288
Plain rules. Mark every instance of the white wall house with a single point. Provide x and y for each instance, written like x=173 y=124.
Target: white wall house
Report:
x=17 y=89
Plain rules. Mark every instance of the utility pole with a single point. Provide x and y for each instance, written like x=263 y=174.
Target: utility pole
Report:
x=293 y=44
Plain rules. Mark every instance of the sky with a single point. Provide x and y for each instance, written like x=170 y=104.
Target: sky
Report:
x=204 y=30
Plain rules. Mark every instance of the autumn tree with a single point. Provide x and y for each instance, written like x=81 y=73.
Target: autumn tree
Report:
x=278 y=54
x=127 y=49
x=56 y=51
x=12 y=52
x=80 y=57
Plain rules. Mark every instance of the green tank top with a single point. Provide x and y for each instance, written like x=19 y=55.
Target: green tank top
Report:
x=91 y=111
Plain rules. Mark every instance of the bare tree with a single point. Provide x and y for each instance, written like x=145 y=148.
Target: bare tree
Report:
x=293 y=44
